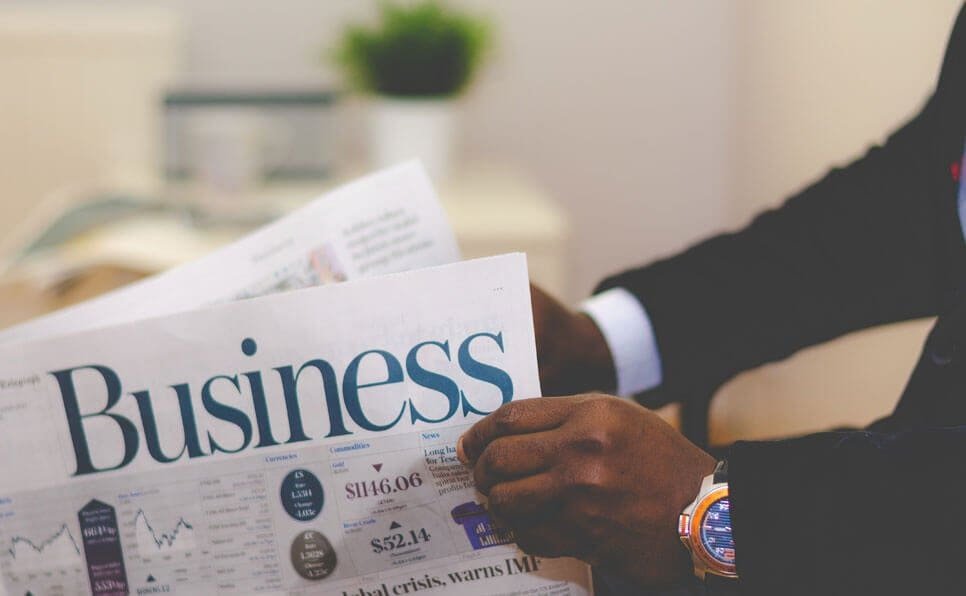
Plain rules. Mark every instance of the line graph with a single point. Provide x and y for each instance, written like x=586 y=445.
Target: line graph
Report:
x=180 y=537
x=163 y=531
x=60 y=549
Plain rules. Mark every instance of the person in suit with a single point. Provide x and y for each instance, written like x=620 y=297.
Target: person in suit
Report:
x=874 y=511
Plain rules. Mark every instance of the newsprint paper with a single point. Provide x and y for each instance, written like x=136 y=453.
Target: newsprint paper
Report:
x=387 y=222
x=297 y=443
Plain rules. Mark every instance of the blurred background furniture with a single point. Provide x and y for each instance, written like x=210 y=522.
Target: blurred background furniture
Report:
x=108 y=242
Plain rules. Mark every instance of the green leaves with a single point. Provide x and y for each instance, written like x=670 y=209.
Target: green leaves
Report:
x=415 y=50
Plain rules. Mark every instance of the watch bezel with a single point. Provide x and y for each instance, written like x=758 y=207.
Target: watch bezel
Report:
x=710 y=563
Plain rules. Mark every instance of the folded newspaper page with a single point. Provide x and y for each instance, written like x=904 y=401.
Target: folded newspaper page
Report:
x=387 y=222
x=298 y=443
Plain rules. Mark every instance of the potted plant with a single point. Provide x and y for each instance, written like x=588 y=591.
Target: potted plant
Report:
x=415 y=61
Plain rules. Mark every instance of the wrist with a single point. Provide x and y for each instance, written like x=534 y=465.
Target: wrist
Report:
x=572 y=351
x=592 y=356
x=575 y=357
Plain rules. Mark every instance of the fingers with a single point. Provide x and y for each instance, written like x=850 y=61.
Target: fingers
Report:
x=527 y=501
x=514 y=418
x=509 y=458
x=535 y=509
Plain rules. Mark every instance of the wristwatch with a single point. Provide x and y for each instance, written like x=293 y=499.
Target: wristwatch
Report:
x=705 y=529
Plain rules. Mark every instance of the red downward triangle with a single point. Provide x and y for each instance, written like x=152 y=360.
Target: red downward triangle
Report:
x=378 y=467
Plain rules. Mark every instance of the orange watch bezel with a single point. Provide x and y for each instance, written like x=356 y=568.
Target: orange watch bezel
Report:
x=712 y=564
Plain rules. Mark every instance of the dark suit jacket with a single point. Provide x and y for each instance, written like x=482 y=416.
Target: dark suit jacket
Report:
x=881 y=511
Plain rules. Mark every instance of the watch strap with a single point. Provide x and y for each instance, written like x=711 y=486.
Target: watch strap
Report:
x=721 y=472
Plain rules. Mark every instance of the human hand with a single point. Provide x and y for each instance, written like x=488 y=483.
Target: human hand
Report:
x=589 y=476
x=572 y=354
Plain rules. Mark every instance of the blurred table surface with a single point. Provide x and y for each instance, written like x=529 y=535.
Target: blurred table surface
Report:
x=492 y=210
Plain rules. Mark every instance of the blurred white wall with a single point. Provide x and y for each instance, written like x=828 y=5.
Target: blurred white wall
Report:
x=621 y=108
x=79 y=109
x=818 y=82
x=624 y=110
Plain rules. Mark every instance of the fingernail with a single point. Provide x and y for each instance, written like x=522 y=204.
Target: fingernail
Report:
x=460 y=454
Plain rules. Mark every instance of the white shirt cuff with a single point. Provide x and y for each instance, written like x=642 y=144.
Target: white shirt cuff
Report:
x=627 y=329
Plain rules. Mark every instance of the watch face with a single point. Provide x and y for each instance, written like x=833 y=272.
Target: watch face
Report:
x=715 y=532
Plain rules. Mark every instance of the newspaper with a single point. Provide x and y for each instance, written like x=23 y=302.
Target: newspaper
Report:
x=297 y=443
x=387 y=222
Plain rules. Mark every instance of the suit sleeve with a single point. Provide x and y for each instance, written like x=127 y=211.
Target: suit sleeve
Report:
x=850 y=513
x=870 y=243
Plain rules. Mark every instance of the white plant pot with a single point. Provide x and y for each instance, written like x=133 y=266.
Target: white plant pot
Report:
x=402 y=129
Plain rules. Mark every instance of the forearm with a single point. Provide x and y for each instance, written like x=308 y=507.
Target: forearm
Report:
x=868 y=244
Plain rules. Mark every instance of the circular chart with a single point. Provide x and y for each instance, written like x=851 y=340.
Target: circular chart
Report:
x=302 y=495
